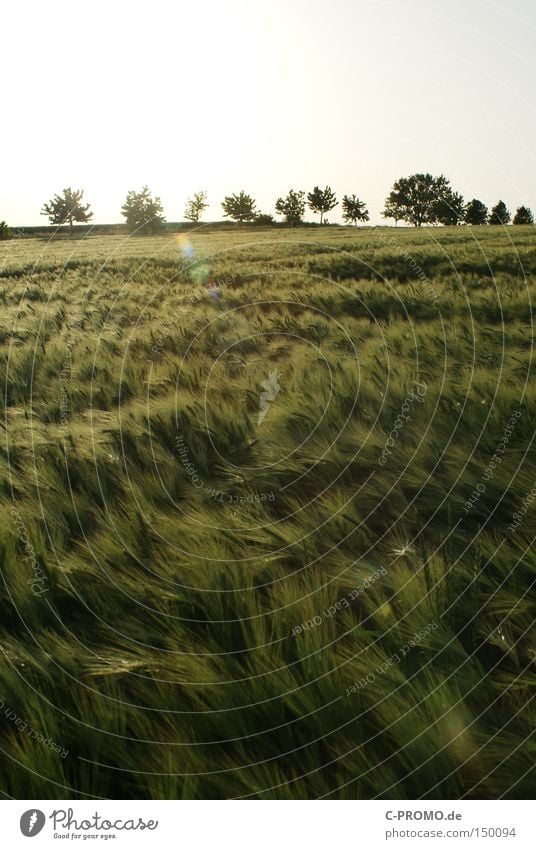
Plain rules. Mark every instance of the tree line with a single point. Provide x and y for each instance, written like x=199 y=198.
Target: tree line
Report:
x=420 y=199
x=143 y=212
x=425 y=199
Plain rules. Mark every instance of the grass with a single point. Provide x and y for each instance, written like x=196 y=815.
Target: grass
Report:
x=159 y=545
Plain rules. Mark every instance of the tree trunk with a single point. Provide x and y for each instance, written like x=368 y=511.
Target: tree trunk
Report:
x=321 y=216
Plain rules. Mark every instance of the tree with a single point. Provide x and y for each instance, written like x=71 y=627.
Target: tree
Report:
x=499 y=214
x=143 y=213
x=415 y=199
x=66 y=208
x=321 y=200
x=4 y=230
x=523 y=216
x=292 y=207
x=354 y=210
x=239 y=207
x=195 y=206
x=449 y=209
x=392 y=210
x=264 y=219
x=476 y=212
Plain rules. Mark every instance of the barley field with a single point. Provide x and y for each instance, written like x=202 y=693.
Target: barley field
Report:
x=267 y=514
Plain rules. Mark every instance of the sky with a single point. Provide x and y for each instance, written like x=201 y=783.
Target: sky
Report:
x=225 y=95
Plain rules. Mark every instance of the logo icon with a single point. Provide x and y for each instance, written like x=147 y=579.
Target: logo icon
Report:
x=271 y=391
x=31 y=822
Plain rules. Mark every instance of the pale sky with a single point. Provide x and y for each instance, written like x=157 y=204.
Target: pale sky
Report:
x=225 y=95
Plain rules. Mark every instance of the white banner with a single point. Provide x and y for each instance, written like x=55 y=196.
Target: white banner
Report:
x=257 y=825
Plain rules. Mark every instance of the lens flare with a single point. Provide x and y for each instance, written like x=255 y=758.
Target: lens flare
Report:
x=186 y=247
x=198 y=268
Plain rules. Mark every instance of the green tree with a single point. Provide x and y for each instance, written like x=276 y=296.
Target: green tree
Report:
x=415 y=199
x=4 y=230
x=239 y=207
x=523 y=216
x=499 y=214
x=354 y=210
x=195 y=206
x=264 y=219
x=292 y=207
x=450 y=208
x=143 y=212
x=321 y=200
x=392 y=210
x=67 y=208
x=476 y=212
